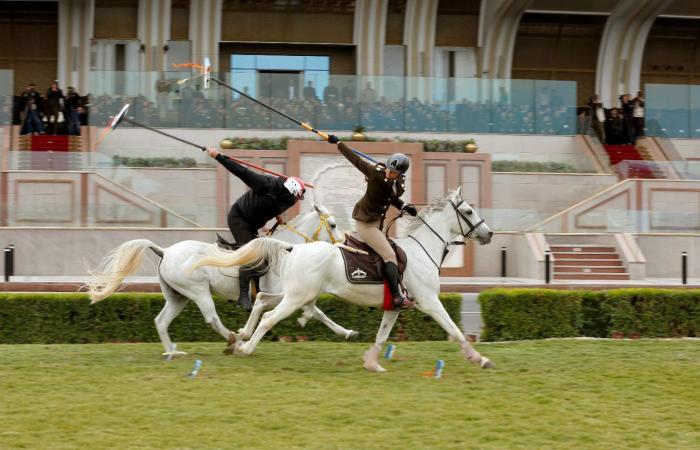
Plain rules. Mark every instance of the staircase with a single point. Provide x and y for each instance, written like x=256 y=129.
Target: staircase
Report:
x=630 y=161
x=46 y=152
x=587 y=262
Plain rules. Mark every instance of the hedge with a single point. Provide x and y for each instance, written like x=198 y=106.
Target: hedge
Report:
x=510 y=314
x=39 y=318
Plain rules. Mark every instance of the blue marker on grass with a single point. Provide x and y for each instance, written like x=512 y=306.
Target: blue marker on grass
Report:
x=195 y=369
x=439 y=366
x=389 y=351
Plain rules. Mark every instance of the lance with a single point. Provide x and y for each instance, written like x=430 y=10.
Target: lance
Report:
x=206 y=73
x=121 y=117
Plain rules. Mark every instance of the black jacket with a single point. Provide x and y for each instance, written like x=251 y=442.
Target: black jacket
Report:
x=266 y=199
x=381 y=191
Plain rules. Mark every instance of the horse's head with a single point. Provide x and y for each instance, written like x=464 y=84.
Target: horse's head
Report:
x=467 y=221
x=328 y=224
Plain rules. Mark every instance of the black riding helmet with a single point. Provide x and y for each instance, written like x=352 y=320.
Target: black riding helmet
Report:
x=398 y=162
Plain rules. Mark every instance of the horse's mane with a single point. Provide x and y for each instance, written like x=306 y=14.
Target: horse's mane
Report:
x=413 y=223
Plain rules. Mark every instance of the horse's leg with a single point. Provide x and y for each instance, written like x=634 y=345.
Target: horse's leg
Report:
x=205 y=304
x=371 y=357
x=263 y=302
x=174 y=304
x=433 y=307
x=285 y=308
x=314 y=312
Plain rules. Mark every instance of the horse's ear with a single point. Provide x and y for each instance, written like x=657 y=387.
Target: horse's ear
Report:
x=318 y=210
x=458 y=192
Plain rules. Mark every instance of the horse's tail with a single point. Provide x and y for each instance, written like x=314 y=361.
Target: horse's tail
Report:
x=254 y=253
x=116 y=266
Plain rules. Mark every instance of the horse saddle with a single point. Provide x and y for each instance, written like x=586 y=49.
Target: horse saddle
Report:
x=224 y=244
x=367 y=269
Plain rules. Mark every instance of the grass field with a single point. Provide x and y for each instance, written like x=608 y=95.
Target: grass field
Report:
x=543 y=394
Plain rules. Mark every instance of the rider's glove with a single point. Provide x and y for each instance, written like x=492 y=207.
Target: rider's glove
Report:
x=333 y=139
x=410 y=209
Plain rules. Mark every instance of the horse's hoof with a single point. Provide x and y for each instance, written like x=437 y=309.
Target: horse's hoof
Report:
x=351 y=334
x=232 y=338
x=374 y=367
x=486 y=363
x=230 y=349
x=239 y=349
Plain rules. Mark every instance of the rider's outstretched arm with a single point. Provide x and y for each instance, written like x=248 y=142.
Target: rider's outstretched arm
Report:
x=253 y=180
x=355 y=159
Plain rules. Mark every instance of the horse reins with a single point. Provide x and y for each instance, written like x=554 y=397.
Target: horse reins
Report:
x=322 y=224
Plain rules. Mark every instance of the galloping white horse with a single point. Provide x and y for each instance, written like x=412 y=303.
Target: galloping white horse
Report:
x=178 y=284
x=308 y=270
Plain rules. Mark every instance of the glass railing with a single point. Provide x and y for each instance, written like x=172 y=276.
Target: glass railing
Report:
x=672 y=110
x=340 y=102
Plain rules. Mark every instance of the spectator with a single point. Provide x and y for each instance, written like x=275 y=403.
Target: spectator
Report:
x=32 y=106
x=626 y=105
x=291 y=90
x=368 y=94
x=73 y=108
x=330 y=94
x=310 y=92
x=54 y=109
x=349 y=92
x=615 y=128
x=597 y=113
x=163 y=96
x=638 y=115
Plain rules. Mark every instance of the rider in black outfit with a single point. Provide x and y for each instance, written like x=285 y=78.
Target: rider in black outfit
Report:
x=269 y=196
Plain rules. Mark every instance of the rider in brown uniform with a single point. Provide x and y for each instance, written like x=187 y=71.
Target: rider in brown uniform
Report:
x=385 y=186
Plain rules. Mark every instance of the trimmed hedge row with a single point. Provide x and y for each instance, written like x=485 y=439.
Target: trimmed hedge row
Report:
x=510 y=314
x=69 y=318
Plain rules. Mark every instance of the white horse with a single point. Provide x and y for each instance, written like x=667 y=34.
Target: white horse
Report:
x=308 y=270
x=179 y=284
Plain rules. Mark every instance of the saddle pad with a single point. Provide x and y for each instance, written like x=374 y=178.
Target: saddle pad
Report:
x=367 y=269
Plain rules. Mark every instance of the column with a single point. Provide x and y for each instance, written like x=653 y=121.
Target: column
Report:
x=498 y=26
x=205 y=30
x=369 y=36
x=622 y=47
x=154 y=33
x=75 y=30
x=419 y=39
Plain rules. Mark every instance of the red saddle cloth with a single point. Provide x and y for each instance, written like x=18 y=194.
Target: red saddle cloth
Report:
x=367 y=269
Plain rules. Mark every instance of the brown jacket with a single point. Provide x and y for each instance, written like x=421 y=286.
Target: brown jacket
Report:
x=381 y=191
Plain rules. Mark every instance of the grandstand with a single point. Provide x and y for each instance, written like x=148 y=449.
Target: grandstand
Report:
x=421 y=77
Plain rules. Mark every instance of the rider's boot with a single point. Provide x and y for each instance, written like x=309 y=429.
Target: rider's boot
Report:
x=391 y=272
x=244 y=274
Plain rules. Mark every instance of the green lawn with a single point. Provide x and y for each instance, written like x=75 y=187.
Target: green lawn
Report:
x=542 y=394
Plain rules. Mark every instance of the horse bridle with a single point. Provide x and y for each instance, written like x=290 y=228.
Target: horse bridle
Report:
x=468 y=234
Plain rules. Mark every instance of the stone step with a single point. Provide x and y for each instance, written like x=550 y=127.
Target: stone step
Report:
x=584 y=255
x=588 y=269
x=590 y=276
x=587 y=262
x=581 y=248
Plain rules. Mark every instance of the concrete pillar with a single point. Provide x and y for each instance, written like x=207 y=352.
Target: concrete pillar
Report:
x=205 y=31
x=498 y=26
x=154 y=32
x=622 y=47
x=369 y=36
x=75 y=30
x=419 y=39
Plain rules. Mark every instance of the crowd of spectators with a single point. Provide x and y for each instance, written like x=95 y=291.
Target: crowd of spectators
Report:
x=619 y=125
x=54 y=113
x=337 y=108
